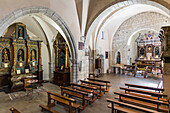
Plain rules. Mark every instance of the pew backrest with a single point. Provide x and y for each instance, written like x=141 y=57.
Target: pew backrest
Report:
x=144 y=87
x=130 y=106
x=144 y=92
x=98 y=80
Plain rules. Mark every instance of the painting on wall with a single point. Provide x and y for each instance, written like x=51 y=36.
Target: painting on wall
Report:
x=81 y=45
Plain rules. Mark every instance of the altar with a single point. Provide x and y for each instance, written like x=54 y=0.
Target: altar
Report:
x=148 y=56
x=62 y=62
x=20 y=57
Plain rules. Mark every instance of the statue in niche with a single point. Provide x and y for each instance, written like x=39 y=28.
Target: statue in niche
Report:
x=20 y=33
x=33 y=55
x=141 y=52
x=20 y=55
x=62 y=62
x=118 y=58
x=157 y=51
x=5 y=55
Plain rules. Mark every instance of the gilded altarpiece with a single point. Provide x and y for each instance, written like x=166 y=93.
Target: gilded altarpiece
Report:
x=148 y=53
x=62 y=66
x=18 y=53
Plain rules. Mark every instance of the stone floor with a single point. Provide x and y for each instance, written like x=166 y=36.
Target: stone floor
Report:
x=30 y=104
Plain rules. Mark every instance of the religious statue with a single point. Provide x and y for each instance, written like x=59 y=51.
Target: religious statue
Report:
x=20 y=55
x=33 y=55
x=156 y=51
x=5 y=55
x=118 y=58
x=20 y=33
x=62 y=60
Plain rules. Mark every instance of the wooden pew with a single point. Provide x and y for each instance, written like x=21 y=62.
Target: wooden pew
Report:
x=62 y=99
x=144 y=87
x=141 y=101
x=145 y=96
x=156 y=94
x=95 y=84
x=122 y=108
x=88 y=89
x=78 y=94
x=13 y=110
x=46 y=108
x=102 y=81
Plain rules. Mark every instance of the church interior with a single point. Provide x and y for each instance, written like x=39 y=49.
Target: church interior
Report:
x=85 y=56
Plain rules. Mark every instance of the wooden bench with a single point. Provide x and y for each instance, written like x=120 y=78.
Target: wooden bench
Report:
x=88 y=89
x=46 y=108
x=145 y=96
x=141 y=101
x=78 y=94
x=144 y=87
x=61 y=99
x=102 y=81
x=122 y=108
x=13 y=110
x=156 y=94
x=99 y=86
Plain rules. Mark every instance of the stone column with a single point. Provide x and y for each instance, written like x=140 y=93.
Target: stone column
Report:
x=74 y=72
x=14 y=55
x=93 y=57
x=50 y=71
x=28 y=54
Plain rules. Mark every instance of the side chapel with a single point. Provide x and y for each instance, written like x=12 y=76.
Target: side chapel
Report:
x=20 y=56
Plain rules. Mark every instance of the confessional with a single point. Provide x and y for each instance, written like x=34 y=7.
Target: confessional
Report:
x=20 y=57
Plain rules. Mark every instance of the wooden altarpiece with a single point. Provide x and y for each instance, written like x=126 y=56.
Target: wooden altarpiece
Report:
x=20 y=57
x=62 y=65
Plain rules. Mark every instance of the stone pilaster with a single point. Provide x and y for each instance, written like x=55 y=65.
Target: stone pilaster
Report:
x=74 y=69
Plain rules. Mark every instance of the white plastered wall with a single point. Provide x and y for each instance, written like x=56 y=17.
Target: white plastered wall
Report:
x=44 y=55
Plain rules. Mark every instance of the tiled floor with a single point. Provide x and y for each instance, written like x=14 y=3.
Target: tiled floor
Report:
x=30 y=104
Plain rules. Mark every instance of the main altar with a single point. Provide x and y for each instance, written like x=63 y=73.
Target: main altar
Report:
x=149 y=52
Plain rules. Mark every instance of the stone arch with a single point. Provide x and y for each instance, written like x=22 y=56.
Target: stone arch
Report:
x=8 y=19
x=116 y=6
x=122 y=3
